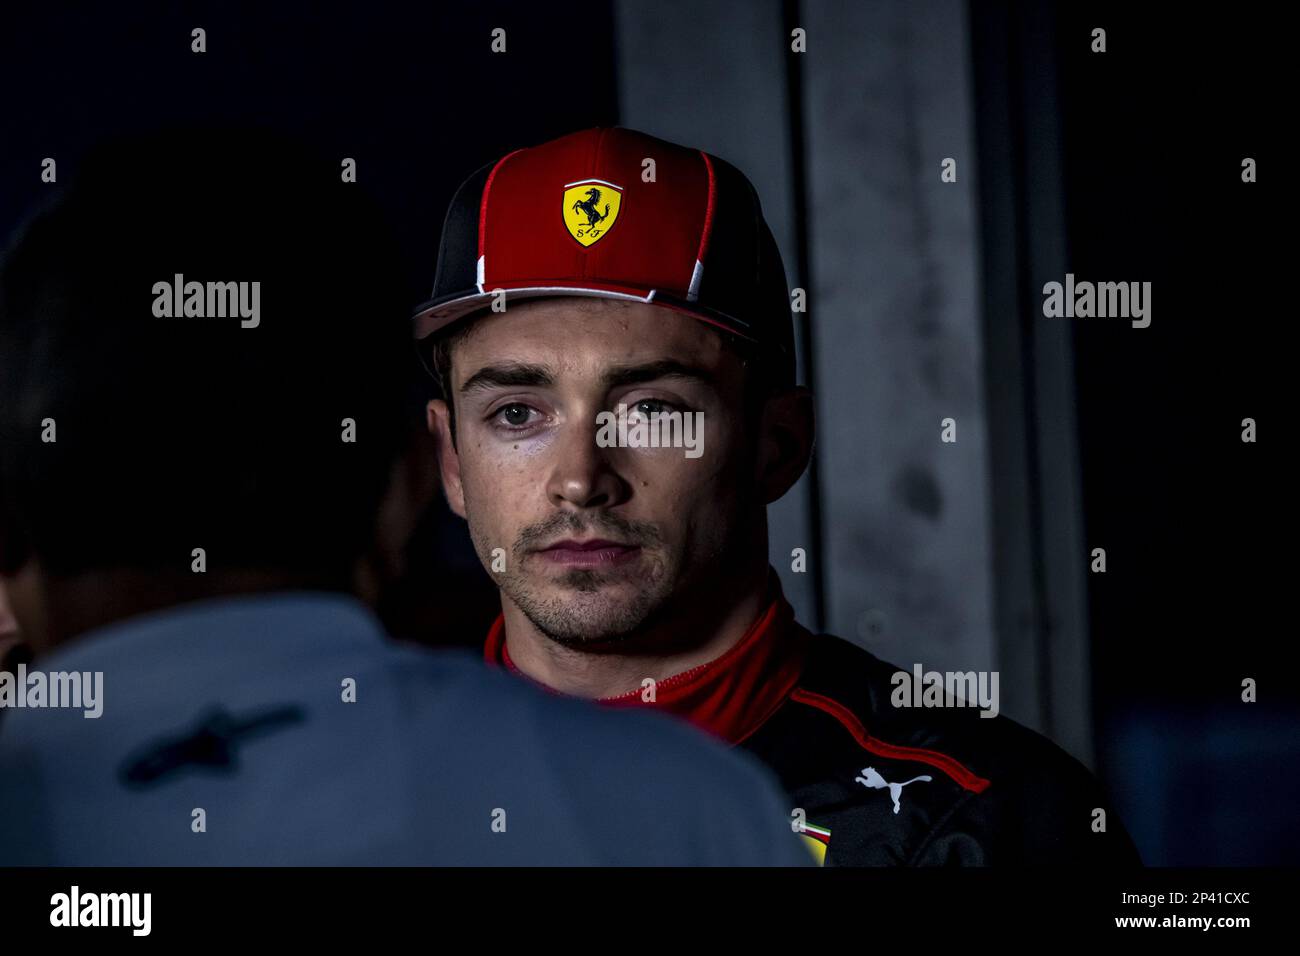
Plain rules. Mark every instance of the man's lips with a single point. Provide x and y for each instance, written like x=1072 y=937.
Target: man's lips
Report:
x=590 y=553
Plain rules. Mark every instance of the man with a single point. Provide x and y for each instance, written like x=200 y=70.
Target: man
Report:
x=199 y=416
x=634 y=572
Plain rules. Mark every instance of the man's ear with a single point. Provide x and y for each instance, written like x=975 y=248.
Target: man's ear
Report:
x=438 y=417
x=12 y=649
x=786 y=435
x=14 y=551
x=412 y=486
x=8 y=623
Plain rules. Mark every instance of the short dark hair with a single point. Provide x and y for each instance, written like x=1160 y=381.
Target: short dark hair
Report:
x=177 y=433
x=763 y=375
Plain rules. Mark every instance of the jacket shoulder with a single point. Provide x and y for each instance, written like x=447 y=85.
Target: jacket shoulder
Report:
x=1008 y=793
x=844 y=679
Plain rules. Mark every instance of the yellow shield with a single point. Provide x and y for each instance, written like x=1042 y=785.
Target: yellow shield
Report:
x=591 y=208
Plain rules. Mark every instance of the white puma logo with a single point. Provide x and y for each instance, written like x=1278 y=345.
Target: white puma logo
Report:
x=876 y=782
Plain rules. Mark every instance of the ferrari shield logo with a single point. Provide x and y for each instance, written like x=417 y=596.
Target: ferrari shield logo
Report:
x=591 y=209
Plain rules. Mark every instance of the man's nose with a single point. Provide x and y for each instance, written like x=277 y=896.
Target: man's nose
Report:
x=583 y=474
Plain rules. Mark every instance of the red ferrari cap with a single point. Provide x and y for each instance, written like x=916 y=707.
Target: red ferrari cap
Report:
x=615 y=213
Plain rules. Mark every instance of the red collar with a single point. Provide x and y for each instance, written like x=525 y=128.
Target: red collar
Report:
x=731 y=696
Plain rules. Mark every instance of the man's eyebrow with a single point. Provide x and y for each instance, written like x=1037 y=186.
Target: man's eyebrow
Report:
x=508 y=375
x=649 y=371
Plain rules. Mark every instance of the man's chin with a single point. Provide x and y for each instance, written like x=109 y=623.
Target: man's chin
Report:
x=592 y=591
x=586 y=612
x=570 y=582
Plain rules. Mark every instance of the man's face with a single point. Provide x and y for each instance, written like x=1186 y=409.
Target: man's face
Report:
x=595 y=540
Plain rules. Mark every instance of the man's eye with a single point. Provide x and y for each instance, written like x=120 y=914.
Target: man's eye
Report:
x=650 y=406
x=515 y=414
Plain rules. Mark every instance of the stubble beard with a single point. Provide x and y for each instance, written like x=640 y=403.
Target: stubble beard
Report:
x=576 y=609
x=585 y=607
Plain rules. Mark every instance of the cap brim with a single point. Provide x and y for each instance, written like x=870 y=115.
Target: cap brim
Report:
x=437 y=314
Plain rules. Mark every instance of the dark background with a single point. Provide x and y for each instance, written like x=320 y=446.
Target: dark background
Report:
x=1123 y=168
x=1193 y=607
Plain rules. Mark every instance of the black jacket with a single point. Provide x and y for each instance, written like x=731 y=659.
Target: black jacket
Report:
x=982 y=791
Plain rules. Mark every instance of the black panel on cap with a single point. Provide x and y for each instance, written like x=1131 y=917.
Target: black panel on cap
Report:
x=743 y=273
x=458 y=253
